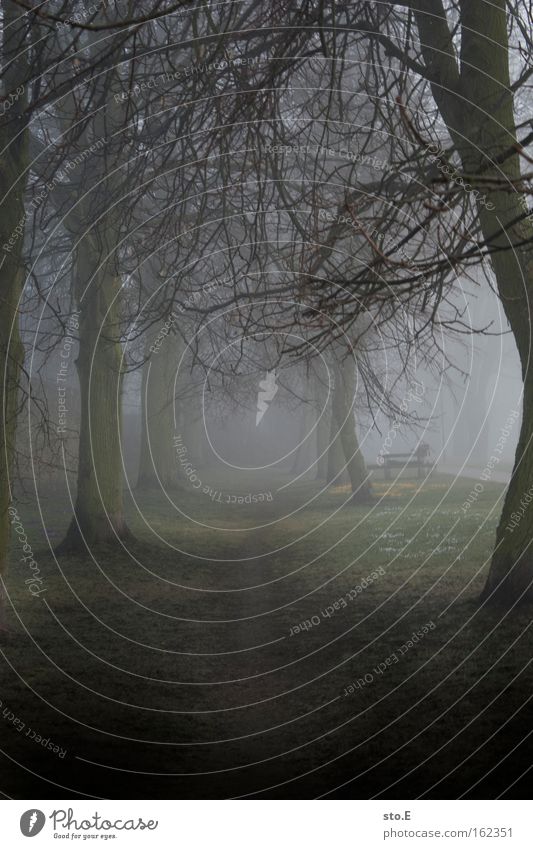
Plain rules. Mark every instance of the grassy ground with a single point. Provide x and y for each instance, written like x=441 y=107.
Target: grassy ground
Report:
x=175 y=669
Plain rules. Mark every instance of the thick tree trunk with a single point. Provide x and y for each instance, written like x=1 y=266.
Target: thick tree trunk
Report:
x=301 y=460
x=193 y=427
x=476 y=426
x=157 y=462
x=98 y=514
x=13 y=181
x=476 y=102
x=343 y=413
x=336 y=473
x=510 y=578
x=322 y=431
x=11 y=360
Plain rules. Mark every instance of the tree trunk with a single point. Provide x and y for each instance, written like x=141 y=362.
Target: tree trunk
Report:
x=511 y=574
x=11 y=360
x=476 y=103
x=157 y=462
x=13 y=181
x=193 y=426
x=336 y=473
x=98 y=514
x=343 y=413
x=95 y=224
x=322 y=431
x=300 y=462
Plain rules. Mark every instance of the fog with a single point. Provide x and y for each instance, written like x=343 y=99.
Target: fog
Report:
x=267 y=391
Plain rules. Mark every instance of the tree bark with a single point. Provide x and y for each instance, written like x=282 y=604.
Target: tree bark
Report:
x=336 y=473
x=476 y=103
x=157 y=462
x=11 y=361
x=511 y=572
x=13 y=181
x=193 y=426
x=322 y=430
x=99 y=512
x=99 y=509
x=343 y=413
x=300 y=459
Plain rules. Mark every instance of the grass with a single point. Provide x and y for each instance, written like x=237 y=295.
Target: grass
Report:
x=169 y=671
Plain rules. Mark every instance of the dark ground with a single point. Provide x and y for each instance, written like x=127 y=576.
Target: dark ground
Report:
x=166 y=675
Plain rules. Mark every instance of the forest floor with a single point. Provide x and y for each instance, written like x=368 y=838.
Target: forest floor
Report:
x=179 y=668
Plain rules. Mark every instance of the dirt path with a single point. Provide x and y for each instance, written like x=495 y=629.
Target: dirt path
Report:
x=224 y=663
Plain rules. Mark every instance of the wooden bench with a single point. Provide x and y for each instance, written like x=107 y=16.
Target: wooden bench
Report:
x=416 y=458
